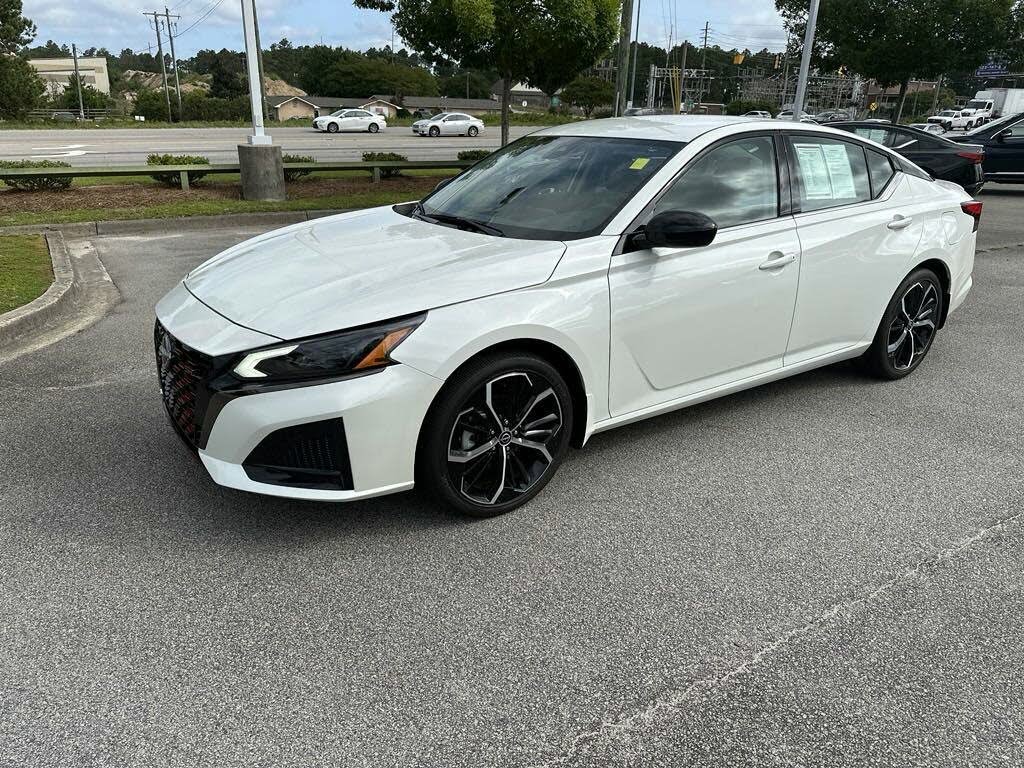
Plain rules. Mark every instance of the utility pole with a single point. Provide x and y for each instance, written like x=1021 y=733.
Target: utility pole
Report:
x=163 y=66
x=703 y=62
x=259 y=60
x=680 y=88
x=636 y=50
x=623 y=73
x=935 y=101
x=78 y=82
x=174 y=60
x=467 y=85
x=805 y=61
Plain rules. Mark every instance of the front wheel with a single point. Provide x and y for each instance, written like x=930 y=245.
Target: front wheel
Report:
x=908 y=327
x=332 y=127
x=373 y=128
x=496 y=435
x=434 y=131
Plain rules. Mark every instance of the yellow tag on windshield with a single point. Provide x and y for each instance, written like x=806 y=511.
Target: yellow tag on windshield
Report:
x=639 y=163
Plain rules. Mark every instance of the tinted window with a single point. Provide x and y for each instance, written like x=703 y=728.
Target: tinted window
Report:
x=552 y=187
x=1017 y=131
x=883 y=136
x=880 y=170
x=734 y=183
x=829 y=172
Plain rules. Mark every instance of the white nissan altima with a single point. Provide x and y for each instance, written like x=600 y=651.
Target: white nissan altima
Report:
x=581 y=278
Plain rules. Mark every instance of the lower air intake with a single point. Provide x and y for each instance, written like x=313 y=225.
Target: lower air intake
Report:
x=313 y=455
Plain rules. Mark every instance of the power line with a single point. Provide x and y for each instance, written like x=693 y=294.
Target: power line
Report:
x=205 y=14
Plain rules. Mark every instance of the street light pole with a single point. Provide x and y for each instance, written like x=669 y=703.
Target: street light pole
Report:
x=258 y=137
x=78 y=83
x=805 y=62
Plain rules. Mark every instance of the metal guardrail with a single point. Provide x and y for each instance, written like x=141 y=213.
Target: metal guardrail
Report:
x=374 y=168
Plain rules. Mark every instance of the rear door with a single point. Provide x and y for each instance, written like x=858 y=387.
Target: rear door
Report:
x=857 y=230
x=1005 y=156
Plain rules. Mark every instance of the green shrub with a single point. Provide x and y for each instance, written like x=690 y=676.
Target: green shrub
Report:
x=386 y=173
x=473 y=155
x=294 y=174
x=174 y=179
x=39 y=183
x=599 y=113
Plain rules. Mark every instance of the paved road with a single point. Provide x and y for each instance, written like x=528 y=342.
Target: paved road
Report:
x=127 y=146
x=825 y=571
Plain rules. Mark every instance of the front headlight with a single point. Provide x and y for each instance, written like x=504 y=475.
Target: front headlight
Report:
x=332 y=355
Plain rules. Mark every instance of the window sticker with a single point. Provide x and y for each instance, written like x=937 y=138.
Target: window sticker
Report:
x=639 y=164
x=839 y=170
x=825 y=171
x=813 y=172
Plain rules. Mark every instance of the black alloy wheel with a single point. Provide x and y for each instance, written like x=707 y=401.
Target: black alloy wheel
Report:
x=496 y=435
x=473 y=131
x=434 y=131
x=908 y=327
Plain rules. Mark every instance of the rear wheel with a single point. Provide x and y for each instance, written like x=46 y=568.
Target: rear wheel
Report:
x=496 y=435
x=908 y=327
x=332 y=127
x=373 y=128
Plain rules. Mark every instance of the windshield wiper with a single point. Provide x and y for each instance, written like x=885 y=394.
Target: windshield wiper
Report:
x=461 y=222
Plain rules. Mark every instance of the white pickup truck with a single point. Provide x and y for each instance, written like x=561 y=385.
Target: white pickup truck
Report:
x=952 y=119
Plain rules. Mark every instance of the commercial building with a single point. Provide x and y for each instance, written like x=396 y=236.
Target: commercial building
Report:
x=57 y=72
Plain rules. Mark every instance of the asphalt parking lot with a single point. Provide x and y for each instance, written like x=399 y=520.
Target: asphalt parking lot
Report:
x=825 y=571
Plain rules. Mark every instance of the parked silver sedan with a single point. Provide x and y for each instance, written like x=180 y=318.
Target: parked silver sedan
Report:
x=449 y=124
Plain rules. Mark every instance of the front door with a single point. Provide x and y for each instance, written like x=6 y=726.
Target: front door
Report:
x=1006 y=157
x=689 y=319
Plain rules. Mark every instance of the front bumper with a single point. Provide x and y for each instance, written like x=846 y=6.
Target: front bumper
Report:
x=375 y=417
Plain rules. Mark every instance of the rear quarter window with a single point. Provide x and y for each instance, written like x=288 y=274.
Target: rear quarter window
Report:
x=880 y=171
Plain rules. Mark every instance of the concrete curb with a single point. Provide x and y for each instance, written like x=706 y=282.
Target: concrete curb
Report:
x=149 y=226
x=61 y=294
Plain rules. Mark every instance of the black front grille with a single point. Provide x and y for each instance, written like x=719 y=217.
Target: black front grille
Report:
x=184 y=374
x=313 y=455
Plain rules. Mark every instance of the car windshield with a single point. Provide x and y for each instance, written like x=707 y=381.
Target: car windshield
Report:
x=440 y=116
x=551 y=187
x=947 y=113
x=975 y=104
x=339 y=113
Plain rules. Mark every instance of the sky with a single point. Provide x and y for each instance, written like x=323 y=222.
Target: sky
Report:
x=117 y=24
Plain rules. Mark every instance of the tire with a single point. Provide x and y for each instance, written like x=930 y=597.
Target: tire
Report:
x=969 y=126
x=373 y=128
x=332 y=127
x=908 y=327
x=473 y=132
x=495 y=435
x=434 y=131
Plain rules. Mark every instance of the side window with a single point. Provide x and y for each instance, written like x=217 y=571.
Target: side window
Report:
x=830 y=172
x=1017 y=131
x=735 y=183
x=905 y=140
x=882 y=136
x=879 y=169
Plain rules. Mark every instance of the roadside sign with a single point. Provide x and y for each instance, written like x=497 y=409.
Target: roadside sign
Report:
x=992 y=69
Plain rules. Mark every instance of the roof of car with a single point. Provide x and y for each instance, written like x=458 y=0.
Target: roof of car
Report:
x=669 y=127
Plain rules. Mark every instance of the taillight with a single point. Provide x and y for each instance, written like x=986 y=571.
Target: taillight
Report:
x=973 y=209
x=975 y=157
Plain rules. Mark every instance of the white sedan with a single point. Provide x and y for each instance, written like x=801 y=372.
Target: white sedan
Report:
x=350 y=120
x=449 y=124
x=584 y=277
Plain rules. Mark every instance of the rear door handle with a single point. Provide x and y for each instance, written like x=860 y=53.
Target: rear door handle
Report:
x=900 y=222
x=777 y=260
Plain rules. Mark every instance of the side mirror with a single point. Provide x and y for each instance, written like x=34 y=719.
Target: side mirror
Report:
x=675 y=229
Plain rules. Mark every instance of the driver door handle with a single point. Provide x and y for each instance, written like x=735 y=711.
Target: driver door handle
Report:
x=900 y=222
x=777 y=260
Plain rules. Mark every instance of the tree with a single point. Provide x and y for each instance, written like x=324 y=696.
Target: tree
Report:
x=544 y=42
x=21 y=89
x=91 y=98
x=227 y=75
x=894 y=41
x=15 y=30
x=589 y=93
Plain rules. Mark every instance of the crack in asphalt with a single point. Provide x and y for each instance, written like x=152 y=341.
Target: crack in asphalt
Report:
x=672 y=701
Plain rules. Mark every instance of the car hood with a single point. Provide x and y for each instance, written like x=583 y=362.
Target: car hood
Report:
x=357 y=268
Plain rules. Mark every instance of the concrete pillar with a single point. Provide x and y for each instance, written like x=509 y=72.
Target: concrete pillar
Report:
x=262 y=172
